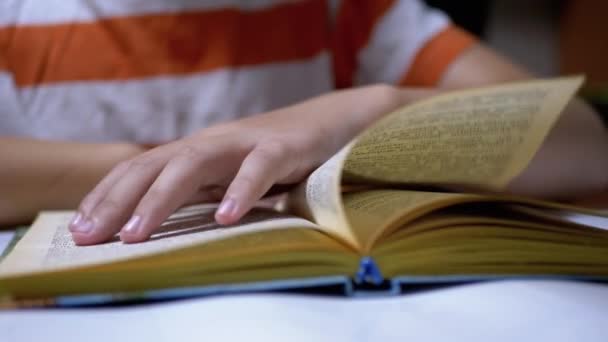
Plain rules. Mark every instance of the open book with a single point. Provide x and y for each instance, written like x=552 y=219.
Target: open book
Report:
x=372 y=216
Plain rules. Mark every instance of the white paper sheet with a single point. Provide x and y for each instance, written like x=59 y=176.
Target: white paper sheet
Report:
x=500 y=311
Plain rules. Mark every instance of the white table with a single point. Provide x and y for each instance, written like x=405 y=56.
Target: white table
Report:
x=499 y=311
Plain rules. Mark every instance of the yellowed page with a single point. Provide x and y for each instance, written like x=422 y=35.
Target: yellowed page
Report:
x=372 y=214
x=48 y=245
x=427 y=142
x=482 y=136
x=495 y=249
x=320 y=200
x=375 y=214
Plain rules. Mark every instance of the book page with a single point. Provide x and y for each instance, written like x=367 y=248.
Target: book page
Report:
x=320 y=200
x=568 y=215
x=375 y=213
x=48 y=244
x=482 y=137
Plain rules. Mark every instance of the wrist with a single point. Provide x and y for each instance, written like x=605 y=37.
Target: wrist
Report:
x=114 y=153
x=410 y=94
x=380 y=99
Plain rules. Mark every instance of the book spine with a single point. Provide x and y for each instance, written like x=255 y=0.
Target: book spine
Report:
x=369 y=272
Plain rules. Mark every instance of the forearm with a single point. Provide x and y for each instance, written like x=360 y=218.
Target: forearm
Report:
x=339 y=115
x=573 y=160
x=363 y=106
x=37 y=175
x=572 y=163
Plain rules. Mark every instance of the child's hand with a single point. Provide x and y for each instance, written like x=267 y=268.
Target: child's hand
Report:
x=235 y=162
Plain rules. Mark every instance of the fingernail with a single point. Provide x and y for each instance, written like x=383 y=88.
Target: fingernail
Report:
x=132 y=226
x=227 y=207
x=76 y=220
x=82 y=226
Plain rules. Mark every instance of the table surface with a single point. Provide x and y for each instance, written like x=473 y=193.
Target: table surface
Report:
x=493 y=311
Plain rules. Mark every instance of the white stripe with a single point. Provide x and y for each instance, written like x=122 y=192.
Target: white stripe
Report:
x=12 y=120
x=395 y=41
x=158 y=109
x=24 y=12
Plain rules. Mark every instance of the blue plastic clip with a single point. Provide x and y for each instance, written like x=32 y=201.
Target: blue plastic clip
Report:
x=368 y=272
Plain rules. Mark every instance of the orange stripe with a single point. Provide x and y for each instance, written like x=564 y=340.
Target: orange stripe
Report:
x=434 y=58
x=152 y=45
x=4 y=43
x=355 y=23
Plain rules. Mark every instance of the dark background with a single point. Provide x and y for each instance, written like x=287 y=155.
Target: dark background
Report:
x=548 y=37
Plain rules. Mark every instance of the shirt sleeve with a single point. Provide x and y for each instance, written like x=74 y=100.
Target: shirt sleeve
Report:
x=397 y=42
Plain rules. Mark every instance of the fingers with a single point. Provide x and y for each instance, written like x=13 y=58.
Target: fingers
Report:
x=178 y=182
x=207 y=194
x=136 y=197
x=81 y=224
x=99 y=192
x=114 y=202
x=101 y=189
x=266 y=165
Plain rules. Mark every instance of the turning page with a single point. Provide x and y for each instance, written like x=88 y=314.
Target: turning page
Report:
x=483 y=136
x=320 y=200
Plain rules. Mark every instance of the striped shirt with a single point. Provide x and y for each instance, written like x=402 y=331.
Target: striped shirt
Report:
x=155 y=70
